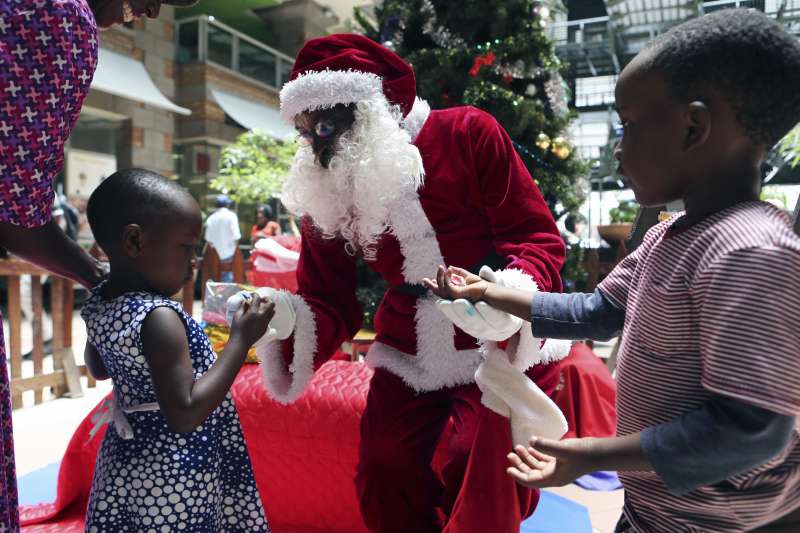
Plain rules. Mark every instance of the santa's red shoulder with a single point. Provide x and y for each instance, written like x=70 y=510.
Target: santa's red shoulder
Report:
x=462 y=120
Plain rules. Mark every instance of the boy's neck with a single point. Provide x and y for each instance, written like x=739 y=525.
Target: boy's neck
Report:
x=721 y=191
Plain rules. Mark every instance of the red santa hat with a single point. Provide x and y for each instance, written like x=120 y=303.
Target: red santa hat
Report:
x=345 y=69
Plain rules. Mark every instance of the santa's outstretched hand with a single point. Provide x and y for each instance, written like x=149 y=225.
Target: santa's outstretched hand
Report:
x=282 y=324
x=460 y=293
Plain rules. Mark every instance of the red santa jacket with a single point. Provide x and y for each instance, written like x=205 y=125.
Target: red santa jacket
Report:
x=478 y=198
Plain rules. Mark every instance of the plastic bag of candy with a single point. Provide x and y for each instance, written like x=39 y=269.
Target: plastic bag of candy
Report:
x=215 y=300
x=219 y=335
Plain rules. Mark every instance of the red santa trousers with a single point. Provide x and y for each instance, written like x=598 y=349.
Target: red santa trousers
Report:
x=398 y=488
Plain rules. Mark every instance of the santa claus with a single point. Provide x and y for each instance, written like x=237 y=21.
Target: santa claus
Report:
x=380 y=174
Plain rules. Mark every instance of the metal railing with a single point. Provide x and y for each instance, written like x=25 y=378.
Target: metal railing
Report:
x=597 y=29
x=578 y=31
x=206 y=40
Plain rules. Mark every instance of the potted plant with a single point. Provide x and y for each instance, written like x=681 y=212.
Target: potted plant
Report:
x=622 y=218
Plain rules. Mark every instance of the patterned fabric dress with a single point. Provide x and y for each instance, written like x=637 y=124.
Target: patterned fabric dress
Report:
x=160 y=480
x=48 y=54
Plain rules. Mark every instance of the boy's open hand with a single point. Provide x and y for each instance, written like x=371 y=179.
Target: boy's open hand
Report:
x=550 y=463
x=252 y=319
x=453 y=283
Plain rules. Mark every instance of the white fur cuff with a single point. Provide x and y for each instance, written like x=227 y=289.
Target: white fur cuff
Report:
x=529 y=349
x=327 y=88
x=284 y=384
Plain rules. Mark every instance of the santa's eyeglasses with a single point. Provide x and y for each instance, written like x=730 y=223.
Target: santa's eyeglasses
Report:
x=324 y=129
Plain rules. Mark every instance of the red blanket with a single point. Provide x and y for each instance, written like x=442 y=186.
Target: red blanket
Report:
x=304 y=455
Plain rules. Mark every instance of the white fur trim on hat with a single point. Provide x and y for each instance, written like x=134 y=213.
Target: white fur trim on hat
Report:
x=321 y=89
x=283 y=384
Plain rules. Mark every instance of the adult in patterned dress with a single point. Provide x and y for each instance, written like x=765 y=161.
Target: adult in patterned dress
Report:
x=48 y=54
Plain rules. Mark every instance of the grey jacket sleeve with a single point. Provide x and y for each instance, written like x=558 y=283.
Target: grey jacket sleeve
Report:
x=575 y=316
x=722 y=438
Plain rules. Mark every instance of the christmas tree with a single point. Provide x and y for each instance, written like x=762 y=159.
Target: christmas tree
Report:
x=494 y=55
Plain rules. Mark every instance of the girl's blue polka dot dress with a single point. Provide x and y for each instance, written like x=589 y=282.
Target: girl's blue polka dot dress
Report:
x=160 y=480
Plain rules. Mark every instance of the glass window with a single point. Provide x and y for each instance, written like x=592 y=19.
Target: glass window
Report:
x=286 y=72
x=595 y=91
x=96 y=134
x=188 y=42
x=256 y=63
x=220 y=46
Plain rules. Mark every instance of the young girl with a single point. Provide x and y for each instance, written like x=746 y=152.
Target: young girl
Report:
x=175 y=458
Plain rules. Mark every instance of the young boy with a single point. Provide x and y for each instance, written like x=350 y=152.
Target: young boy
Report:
x=709 y=304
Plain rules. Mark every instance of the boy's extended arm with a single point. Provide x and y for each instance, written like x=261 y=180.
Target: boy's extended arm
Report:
x=720 y=439
x=561 y=316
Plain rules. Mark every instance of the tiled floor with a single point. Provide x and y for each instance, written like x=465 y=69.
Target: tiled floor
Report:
x=604 y=507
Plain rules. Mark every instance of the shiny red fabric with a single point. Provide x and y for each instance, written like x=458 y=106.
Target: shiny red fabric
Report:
x=584 y=391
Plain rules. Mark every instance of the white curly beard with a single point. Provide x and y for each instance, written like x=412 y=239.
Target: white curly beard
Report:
x=375 y=165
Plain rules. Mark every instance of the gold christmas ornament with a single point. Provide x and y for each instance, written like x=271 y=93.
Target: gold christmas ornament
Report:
x=561 y=148
x=543 y=141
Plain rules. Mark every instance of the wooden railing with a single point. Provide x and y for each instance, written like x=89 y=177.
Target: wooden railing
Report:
x=64 y=380
x=212 y=267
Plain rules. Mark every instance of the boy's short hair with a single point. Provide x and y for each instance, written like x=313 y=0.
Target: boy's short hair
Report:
x=748 y=57
x=131 y=196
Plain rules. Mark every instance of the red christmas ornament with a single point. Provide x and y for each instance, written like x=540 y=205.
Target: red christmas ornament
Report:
x=508 y=78
x=480 y=61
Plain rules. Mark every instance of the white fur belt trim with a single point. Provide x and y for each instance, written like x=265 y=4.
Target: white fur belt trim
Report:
x=426 y=371
x=327 y=88
x=111 y=411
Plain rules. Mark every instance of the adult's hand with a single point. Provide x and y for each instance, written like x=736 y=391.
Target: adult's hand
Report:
x=48 y=247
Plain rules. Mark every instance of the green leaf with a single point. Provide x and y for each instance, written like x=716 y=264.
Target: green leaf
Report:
x=253 y=168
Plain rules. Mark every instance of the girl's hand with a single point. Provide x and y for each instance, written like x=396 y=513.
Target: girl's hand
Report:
x=251 y=321
x=549 y=463
x=453 y=283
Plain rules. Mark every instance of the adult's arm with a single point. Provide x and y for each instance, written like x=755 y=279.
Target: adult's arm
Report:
x=49 y=247
x=327 y=314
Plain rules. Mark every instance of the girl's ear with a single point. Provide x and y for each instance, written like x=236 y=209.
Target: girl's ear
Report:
x=133 y=240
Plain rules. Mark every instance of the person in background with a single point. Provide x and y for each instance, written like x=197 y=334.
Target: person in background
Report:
x=223 y=234
x=45 y=47
x=265 y=225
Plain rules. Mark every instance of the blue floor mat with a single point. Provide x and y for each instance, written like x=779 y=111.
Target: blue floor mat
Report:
x=555 y=514
x=39 y=486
